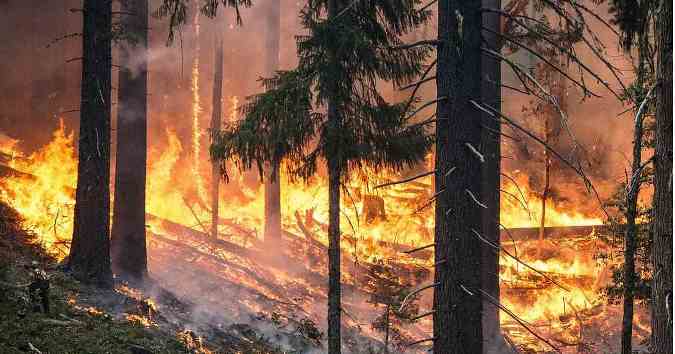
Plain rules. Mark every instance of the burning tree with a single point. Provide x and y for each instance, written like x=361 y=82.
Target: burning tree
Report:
x=351 y=45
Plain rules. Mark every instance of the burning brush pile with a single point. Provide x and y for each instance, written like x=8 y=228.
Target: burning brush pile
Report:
x=276 y=292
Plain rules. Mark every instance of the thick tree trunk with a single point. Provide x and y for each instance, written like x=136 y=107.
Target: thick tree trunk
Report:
x=457 y=298
x=89 y=258
x=272 y=185
x=129 y=254
x=216 y=116
x=491 y=93
x=662 y=252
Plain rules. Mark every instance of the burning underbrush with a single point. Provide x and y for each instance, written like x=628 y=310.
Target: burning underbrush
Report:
x=239 y=285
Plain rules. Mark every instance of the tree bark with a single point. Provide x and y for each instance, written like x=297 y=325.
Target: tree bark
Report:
x=216 y=117
x=457 y=322
x=662 y=252
x=272 y=186
x=89 y=258
x=129 y=254
x=491 y=139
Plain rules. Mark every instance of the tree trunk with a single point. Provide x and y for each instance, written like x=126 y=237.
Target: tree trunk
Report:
x=630 y=242
x=491 y=92
x=457 y=299
x=630 y=239
x=272 y=186
x=89 y=258
x=129 y=255
x=386 y=329
x=334 y=175
x=544 y=193
x=334 y=302
x=216 y=116
x=662 y=252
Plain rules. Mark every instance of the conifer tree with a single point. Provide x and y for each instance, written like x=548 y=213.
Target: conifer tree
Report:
x=329 y=110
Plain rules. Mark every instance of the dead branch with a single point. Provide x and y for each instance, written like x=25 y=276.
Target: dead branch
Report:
x=521 y=322
x=421 y=175
x=415 y=292
x=412 y=95
x=419 y=248
x=499 y=248
x=423 y=315
x=427 y=42
x=475 y=199
x=425 y=106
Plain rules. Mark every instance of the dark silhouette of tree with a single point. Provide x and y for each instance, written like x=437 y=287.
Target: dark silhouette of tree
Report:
x=89 y=257
x=129 y=254
x=216 y=123
x=351 y=45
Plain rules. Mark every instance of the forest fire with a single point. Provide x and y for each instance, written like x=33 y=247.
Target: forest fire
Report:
x=451 y=176
x=381 y=223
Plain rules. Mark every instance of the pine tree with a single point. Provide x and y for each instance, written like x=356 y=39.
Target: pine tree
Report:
x=351 y=45
x=128 y=246
x=89 y=257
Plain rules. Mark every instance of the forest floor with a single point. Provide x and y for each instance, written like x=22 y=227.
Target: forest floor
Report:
x=83 y=319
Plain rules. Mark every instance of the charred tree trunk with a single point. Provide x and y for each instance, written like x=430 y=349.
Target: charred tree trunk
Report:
x=334 y=176
x=491 y=93
x=272 y=186
x=457 y=321
x=89 y=258
x=216 y=116
x=662 y=253
x=334 y=301
x=547 y=186
x=129 y=254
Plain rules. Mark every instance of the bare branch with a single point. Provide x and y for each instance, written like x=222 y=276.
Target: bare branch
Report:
x=499 y=248
x=421 y=175
x=415 y=292
x=419 y=248
x=429 y=42
x=425 y=106
x=475 y=199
